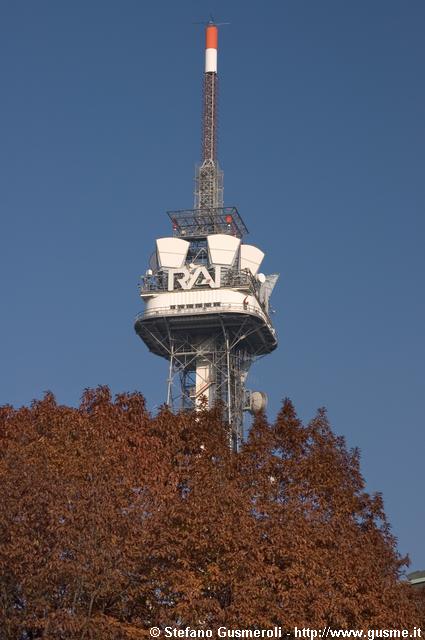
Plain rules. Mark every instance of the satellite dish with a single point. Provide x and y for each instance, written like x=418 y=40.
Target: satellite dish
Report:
x=261 y=278
x=153 y=261
x=258 y=402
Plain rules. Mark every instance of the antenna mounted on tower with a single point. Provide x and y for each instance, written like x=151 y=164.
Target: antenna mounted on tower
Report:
x=209 y=177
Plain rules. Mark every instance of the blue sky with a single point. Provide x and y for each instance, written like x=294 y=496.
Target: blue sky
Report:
x=322 y=143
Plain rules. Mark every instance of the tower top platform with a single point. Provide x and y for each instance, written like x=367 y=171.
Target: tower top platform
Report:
x=194 y=224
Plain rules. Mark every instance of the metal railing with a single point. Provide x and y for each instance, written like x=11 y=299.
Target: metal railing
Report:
x=228 y=279
x=199 y=223
x=196 y=310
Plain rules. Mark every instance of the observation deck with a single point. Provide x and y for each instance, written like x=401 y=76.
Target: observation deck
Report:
x=246 y=324
x=235 y=307
x=203 y=284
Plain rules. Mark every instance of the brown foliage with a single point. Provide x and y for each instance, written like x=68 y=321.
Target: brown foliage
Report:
x=112 y=521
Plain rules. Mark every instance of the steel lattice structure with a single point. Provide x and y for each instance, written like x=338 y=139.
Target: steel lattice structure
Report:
x=210 y=118
x=209 y=177
x=206 y=306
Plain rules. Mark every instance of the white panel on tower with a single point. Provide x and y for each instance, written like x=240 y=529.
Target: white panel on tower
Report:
x=171 y=252
x=222 y=248
x=251 y=258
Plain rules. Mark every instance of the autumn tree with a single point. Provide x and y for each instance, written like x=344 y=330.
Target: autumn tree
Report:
x=113 y=520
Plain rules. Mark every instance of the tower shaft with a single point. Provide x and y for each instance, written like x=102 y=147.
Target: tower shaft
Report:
x=207 y=370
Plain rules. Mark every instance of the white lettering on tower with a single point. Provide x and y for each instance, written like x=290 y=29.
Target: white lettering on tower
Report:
x=198 y=276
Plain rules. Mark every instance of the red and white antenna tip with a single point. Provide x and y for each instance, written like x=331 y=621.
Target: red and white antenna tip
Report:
x=211 y=46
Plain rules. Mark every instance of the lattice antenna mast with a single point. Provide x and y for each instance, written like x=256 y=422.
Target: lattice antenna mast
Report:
x=209 y=177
